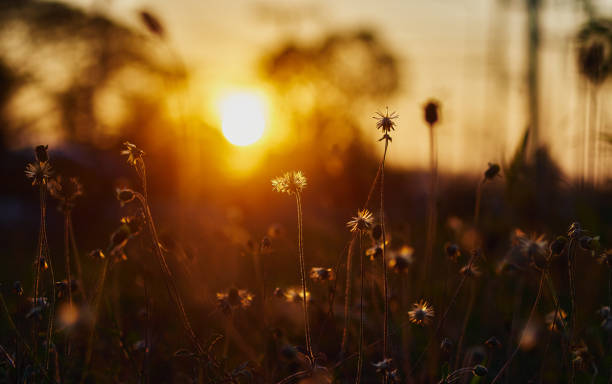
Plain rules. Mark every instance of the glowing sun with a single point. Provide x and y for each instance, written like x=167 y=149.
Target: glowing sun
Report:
x=242 y=118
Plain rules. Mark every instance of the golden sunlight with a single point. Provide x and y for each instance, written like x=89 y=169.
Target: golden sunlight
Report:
x=242 y=118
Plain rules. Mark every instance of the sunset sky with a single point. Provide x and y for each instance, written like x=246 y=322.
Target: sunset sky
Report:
x=467 y=54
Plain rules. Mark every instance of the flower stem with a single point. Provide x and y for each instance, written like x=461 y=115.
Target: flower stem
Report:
x=347 y=296
x=298 y=199
x=384 y=255
x=360 y=348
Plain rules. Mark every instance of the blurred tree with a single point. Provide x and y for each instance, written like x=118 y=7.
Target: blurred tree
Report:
x=67 y=61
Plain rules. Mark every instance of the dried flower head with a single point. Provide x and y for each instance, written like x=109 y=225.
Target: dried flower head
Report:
x=291 y=183
x=65 y=190
x=493 y=343
x=39 y=172
x=362 y=222
x=322 y=274
x=133 y=153
x=452 y=251
x=556 y=320
x=376 y=232
x=492 y=171
x=233 y=299
x=431 y=112
x=422 y=313
x=534 y=248
x=134 y=224
x=293 y=294
x=383 y=365
x=42 y=154
x=97 y=254
x=595 y=50
x=400 y=260
x=385 y=123
x=18 y=288
x=480 y=370
x=125 y=195
x=575 y=230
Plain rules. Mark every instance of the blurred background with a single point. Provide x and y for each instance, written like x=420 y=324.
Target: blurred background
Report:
x=224 y=95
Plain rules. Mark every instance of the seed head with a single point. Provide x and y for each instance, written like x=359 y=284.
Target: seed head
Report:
x=452 y=251
x=401 y=260
x=421 y=313
x=385 y=123
x=65 y=190
x=322 y=274
x=493 y=343
x=431 y=112
x=39 y=172
x=42 y=155
x=480 y=370
x=133 y=153
x=291 y=183
x=125 y=195
x=556 y=320
x=492 y=171
x=470 y=270
x=595 y=50
x=362 y=222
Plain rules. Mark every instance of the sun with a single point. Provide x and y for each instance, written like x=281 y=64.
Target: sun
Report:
x=242 y=118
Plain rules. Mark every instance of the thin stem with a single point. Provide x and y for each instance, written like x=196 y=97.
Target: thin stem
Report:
x=360 y=348
x=433 y=182
x=347 y=296
x=518 y=346
x=572 y=285
x=384 y=255
x=298 y=199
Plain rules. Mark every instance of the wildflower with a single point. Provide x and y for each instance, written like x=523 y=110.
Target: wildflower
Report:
x=492 y=171
x=322 y=274
x=66 y=190
x=580 y=355
x=480 y=370
x=133 y=153
x=18 y=288
x=533 y=248
x=294 y=295
x=362 y=222
x=446 y=345
x=374 y=252
x=606 y=322
x=493 y=343
x=385 y=123
x=431 y=112
x=234 y=299
x=383 y=366
x=125 y=195
x=595 y=51
x=401 y=260
x=133 y=223
x=575 y=230
x=556 y=320
x=557 y=246
x=470 y=270
x=452 y=251
x=38 y=172
x=42 y=156
x=291 y=183
x=97 y=254
x=606 y=258
x=421 y=313
x=265 y=245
